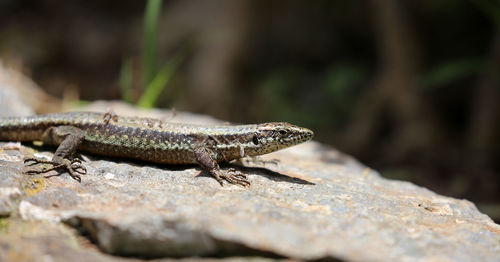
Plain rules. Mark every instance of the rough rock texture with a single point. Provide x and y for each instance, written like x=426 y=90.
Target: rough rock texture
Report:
x=306 y=202
x=44 y=241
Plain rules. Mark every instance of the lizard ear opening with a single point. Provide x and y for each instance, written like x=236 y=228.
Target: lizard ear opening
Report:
x=255 y=140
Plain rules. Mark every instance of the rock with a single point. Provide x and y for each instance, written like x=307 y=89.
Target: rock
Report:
x=11 y=172
x=307 y=202
x=8 y=197
x=20 y=96
x=43 y=241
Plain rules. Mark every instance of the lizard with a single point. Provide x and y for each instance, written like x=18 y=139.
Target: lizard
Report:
x=148 y=139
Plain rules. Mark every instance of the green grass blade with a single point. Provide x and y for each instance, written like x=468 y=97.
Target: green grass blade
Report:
x=126 y=80
x=151 y=17
x=160 y=81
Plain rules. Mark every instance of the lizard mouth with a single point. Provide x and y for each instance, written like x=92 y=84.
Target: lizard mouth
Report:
x=300 y=136
x=303 y=135
x=307 y=134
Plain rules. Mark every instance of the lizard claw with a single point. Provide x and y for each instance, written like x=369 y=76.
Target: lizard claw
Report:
x=74 y=167
x=233 y=176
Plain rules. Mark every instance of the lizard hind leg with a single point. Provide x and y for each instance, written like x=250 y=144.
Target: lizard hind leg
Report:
x=68 y=138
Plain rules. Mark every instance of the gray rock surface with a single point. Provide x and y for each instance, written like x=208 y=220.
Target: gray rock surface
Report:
x=307 y=202
x=44 y=241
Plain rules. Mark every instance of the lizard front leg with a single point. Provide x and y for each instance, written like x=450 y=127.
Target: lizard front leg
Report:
x=68 y=138
x=209 y=164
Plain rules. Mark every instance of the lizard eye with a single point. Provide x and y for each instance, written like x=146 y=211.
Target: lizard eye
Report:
x=255 y=140
x=282 y=132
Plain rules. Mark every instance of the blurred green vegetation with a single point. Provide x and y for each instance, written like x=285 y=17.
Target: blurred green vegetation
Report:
x=490 y=8
x=126 y=78
x=155 y=81
x=332 y=101
x=450 y=72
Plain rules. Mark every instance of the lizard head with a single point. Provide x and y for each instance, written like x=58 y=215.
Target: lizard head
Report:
x=271 y=137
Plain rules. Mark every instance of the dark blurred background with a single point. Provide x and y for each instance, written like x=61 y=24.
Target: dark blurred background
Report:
x=410 y=88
